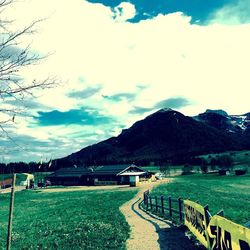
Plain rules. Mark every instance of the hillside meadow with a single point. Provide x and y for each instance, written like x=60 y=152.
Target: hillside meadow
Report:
x=230 y=193
x=66 y=220
x=241 y=159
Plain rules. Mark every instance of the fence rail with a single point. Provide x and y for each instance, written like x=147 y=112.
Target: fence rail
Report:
x=166 y=206
x=214 y=232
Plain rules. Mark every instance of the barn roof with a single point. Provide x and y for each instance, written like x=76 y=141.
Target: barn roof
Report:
x=112 y=169
x=100 y=170
x=71 y=172
x=6 y=182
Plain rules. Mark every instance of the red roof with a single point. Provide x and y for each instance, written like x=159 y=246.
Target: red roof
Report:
x=6 y=182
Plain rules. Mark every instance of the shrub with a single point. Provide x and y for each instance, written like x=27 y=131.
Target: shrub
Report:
x=225 y=162
x=204 y=169
x=240 y=171
x=187 y=169
x=204 y=166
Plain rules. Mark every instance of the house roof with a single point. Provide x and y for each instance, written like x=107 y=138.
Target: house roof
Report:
x=6 y=182
x=131 y=173
x=71 y=172
x=110 y=169
x=100 y=170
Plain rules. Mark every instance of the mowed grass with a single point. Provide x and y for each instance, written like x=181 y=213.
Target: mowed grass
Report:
x=230 y=193
x=66 y=220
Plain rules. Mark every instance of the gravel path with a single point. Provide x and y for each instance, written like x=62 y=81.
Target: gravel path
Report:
x=8 y=190
x=149 y=232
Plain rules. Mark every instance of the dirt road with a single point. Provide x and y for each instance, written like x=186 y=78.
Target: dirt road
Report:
x=8 y=190
x=149 y=232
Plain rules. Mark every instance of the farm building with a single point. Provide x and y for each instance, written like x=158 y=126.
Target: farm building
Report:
x=102 y=175
x=27 y=179
x=22 y=179
x=6 y=183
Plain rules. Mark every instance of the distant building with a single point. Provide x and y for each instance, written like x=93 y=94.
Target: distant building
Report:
x=102 y=175
x=6 y=183
x=28 y=179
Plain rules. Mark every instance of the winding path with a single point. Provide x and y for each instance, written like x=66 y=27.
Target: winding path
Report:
x=149 y=232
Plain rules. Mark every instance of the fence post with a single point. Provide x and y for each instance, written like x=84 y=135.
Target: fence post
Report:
x=156 y=204
x=221 y=213
x=207 y=214
x=247 y=224
x=207 y=218
x=170 y=206
x=11 y=212
x=147 y=199
x=180 y=208
x=150 y=200
x=162 y=204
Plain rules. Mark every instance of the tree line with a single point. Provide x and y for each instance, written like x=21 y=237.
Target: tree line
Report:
x=23 y=167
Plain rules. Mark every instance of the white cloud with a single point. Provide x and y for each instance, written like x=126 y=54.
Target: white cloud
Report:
x=207 y=64
x=124 y=11
x=99 y=132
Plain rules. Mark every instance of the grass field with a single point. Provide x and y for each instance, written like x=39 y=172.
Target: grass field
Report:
x=231 y=193
x=66 y=220
x=240 y=158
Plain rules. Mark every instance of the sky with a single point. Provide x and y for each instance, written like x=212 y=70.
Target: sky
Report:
x=119 y=61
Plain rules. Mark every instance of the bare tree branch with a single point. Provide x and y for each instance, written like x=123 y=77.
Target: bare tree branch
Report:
x=13 y=59
x=10 y=138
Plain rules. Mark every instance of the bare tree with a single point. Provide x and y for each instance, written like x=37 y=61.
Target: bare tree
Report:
x=13 y=59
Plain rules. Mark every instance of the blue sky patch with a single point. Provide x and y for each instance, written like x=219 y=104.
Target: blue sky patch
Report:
x=70 y=117
x=199 y=10
x=140 y=110
x=85 y=93
x=121 y=96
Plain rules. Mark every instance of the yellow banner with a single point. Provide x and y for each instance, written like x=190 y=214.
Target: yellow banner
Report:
x=226 y=235
x=195 y=220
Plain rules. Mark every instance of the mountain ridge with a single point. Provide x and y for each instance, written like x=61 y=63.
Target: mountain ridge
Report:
x=166 y=135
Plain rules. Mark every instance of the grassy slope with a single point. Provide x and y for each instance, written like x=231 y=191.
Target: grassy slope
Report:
x=70 y=220
x=231 y=193
x=241 y=158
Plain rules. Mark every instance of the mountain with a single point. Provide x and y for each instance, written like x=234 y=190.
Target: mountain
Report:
x=162 y=136
x=217 y=111
x=219 y=119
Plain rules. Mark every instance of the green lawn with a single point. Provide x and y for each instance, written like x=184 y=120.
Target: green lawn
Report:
x=231 y=193
x=66 y=220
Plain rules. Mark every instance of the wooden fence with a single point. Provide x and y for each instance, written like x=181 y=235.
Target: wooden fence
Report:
x=165 y=206
x=214 y=232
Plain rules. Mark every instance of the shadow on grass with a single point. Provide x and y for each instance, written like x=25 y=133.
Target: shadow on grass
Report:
x=171 y=237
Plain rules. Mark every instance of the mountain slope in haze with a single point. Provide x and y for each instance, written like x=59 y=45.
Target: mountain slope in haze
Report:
x=219 y=119
x=159 y=137
x=237 y=126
